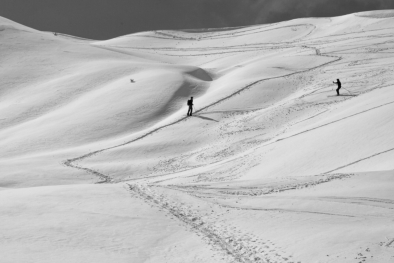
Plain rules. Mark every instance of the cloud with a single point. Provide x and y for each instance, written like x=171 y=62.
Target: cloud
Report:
x=269 y=11
x=103 y=19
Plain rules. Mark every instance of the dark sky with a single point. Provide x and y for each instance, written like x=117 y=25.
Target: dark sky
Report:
x=104 y=19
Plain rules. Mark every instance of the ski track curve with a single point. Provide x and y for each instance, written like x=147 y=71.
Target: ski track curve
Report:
x=108 y=179
x=196 y=223
x=235 y=34
x=237 y=246
x=236 y=249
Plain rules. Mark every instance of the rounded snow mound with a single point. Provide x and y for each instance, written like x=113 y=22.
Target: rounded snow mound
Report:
x=377 y=14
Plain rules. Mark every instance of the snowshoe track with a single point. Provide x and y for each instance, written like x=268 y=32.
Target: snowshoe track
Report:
x=231 y=246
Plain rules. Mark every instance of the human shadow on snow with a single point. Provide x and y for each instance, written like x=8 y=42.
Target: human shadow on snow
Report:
x=204 y=118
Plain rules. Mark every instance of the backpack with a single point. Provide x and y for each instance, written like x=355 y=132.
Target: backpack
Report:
x=189 y=103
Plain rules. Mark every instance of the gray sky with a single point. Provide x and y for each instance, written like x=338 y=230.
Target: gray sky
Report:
x=104 y=19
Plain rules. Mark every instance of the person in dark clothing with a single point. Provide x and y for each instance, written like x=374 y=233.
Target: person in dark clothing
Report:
x=190 y=104
x=339 y=86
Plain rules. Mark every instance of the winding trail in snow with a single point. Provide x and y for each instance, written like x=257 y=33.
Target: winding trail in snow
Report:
x=108 y=179
x=196 y=223
x=235 y=250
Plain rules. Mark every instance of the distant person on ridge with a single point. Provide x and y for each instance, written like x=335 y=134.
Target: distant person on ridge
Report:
x=339 y=86
x=190 y=104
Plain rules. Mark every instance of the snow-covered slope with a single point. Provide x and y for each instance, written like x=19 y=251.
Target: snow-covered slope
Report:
x=272 y=167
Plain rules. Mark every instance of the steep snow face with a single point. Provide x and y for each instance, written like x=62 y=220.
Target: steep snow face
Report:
x=273 y=166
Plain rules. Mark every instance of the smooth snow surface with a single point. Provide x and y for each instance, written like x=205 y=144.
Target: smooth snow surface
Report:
x=272 y=167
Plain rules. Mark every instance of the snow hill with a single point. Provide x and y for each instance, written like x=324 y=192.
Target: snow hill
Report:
x=272 y=166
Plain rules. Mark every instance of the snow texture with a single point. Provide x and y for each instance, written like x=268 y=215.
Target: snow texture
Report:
x=271 y=167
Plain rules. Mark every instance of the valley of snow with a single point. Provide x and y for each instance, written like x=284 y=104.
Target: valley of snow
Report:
x=271 y=167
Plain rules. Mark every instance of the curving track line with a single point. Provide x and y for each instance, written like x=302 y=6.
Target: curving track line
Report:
x=197 y=224
x=107 y=179
x=216 y=238
x=235 y=34
x=201 y=228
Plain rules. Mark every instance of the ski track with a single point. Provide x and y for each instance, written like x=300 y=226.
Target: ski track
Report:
x=363 y=159
x=239 y=251
x=106 y=178
x=286 y=211
x=326 y=124
x=390 y=243
x=297 y=186
x=235 y=34
x=215 y=238
x=191 y=220
x=255 y=191
x=206 y=231
x=237 y=246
